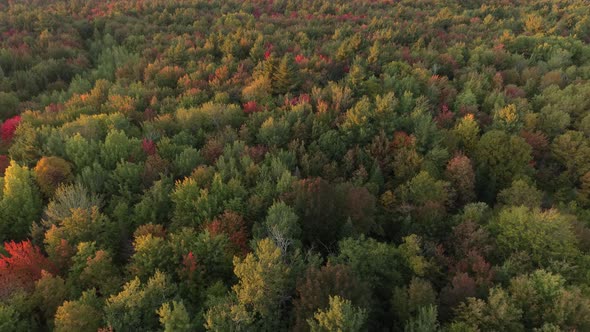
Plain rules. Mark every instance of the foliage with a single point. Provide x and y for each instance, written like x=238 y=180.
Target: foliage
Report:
x=341 y=315
x=250 y=165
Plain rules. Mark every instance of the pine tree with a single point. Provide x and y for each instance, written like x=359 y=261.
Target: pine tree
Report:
x=285 y=78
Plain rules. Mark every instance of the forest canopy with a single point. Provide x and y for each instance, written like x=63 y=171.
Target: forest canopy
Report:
x=295 y=165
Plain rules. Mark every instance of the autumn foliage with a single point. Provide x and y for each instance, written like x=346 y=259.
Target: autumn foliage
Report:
x=8 y=128
x=20 y=267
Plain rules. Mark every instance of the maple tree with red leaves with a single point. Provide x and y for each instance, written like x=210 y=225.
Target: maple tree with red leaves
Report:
x=9 y=127
x=21 y=267
x=148 y=146
x=251 y=107
x=234 y=226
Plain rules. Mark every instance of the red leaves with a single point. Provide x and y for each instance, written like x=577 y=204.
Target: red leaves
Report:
x=401 y=140
x=189 y=262
x=251 y=107
x=538 y=141
x=302 y=99
x=234 y=226
x=148 y=146
x=301 y=59
x=268 y=51
x=21 y=267
x=9 y=127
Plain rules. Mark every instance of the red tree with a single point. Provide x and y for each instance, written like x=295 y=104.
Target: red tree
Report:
x=234 y=226
x=148 y=146
x=21 y=267
x=9 y=127
x=251 y=107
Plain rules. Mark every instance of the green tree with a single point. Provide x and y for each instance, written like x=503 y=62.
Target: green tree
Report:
x=498 y=313
x=84 y=314
x=425 y=321
x=544 y=235
x=135 y=307
x=467 y=131
x=50 y=292
x=264 y=282
x=174 y=317
x=501 y=158
x=340 y=316
x=544 y=298
x=151 y=253
x=282 y=227
x=318 y=284
x=26 y=145
x=286 y=77
x=21 y=202
x=117 y=146
x=521 y=193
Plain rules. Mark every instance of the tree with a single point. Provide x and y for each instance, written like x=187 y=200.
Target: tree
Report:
x=117 y=146
x=340 y=316
x=174 y=317
x=460 y=174
x=408 y=301
x=206 y=258
x=521 y=193
x=84 y=314
x=406 y=159
x=82 y=226
x=544 y=235
x=285 y=78
x=498 y=313
x=234 y=226
x=282 y=226
x=135 y=307
x=155 y=204
x=50 y=172
x=26 y=145
x=66 y=199
x=467 y=131
x=50 y=292
x=94 y=268
x=318 y=284
x=501 y=158
x=573 y=152
x=152 y=253
x=21 y=203
x=377 y=264
x=264 y=282
x=8 y=105
x=313 y=200
x=425 y=321
x=20 y=267
x=426 y=200
x=8 y=128
x=81 y=151
x=544 y=298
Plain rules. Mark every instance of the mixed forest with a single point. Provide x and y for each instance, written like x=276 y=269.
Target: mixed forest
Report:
x=295 y=165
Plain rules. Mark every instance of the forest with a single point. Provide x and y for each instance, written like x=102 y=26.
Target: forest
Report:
x=294 y=165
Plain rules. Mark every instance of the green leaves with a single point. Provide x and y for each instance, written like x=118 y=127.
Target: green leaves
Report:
x=544 y=235
x=341 y=315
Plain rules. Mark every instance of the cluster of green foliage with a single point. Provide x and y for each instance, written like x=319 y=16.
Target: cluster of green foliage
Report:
x=260 y=165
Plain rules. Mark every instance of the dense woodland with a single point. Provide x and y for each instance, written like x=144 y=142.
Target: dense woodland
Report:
x=295 y=165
